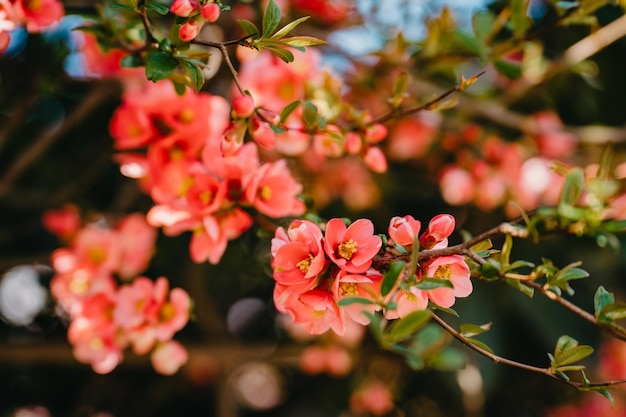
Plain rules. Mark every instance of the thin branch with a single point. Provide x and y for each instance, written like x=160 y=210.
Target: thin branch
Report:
x=616 y=331
x=150 y=39
x=396 y=113
x=222 y=46
x=498 y=359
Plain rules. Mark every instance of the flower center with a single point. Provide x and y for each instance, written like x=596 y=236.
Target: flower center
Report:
x=348 y=289
x=444 y=272
x=265 y=193
x=305 y=264
x=186 y=116
x=347 y=249
x=167 y=312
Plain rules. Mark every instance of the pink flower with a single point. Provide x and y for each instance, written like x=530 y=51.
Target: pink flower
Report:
x=173 y=309
x=136 y=240
x=38 y=14
x=298 y=256
x=334 y=360
x=456 y=185
x=315 y=310
x=351 y=248
x=64 y=222
x=168 y=357
x=273 y=191
x=403 y=230
x=133 y=302
x=371 y=398
x=407 y=302
x=437 y=232
x=353 y=285
x=184 y=8
x=375 y=159
x=190 y=29
x=454 y=269
x=210 y=12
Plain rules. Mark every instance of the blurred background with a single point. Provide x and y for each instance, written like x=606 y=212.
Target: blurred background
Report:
x=244 y=359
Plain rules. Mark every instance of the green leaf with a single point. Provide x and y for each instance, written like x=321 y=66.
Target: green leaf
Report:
x=449 y=359
x=288 y=109
x=505 y=254
x=160 y=65
x=614 y=226
x=159 y=8
x=283 y=54
x=482 y=23
x=391 y=277
x=601 y=299
x=130 y=61
x=511 y=70
x=612 y=312
x=573 y=355
x=479 y=344
x=519 y=285
x=195 y=73
x=469 y=42
x=353 y=300
x=249 y=28
x=604 y=392
x=520 y=22
x=302 y=41
x=471 y=330
x=408 y=325
x=570 y=274
x=289 y=27
x=573 y=186
x=271 y=18
x=121 y=6
x=375 y=325
x=309 y=115
x=563 y=344
x=432 y=283
x=446 y=310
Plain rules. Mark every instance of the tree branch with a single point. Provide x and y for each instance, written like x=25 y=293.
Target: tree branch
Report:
x=498 y=359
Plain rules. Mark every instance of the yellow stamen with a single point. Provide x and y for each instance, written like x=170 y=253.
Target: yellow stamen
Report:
x=305 y=264
x=96 y=344
x=265 y=193
x=186 y=116
x=349 y=289
x=444 y=272
x=96 y=255
x=347 y=249
x=167 y=312
x=79 y=285
x=206 y=196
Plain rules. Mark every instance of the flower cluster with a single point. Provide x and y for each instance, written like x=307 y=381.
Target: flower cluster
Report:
x=314 y=271
x=196 y=185
x=106 y=318
x=195 y=14
x=34 y=15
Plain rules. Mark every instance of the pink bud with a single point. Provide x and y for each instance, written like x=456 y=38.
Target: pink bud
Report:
x=375 y=133
x=375 y=159
x=402 y=230
x=210 y=12
x=184 y=8
x=233 y=137
x=243 y=106
x=439 y=228
x=169 y=357
x=353 y=143
x=190 y=29
x=262 y=133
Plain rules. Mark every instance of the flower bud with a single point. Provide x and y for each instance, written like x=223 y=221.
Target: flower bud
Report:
x=375 y=133
x=353 y=143
x=375 y=159
x=243 y=106
x=190 y=29
x=262 y=133
x=210 y=12
x=402 y=230
x=233 y=137
x=184 y=8
x=439 y=228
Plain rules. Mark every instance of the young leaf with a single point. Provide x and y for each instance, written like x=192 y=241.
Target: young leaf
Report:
x=432 y=283
x=509 y=69
x=469 y=42
x=271 y=18
x=249 y=28
x=289 y=27
x=302 y=41
x=309 y=115
x=573 y=355
x=601 y=299
x=194 y=72
x=391 y=277
x=482 y=23
x=121 y=6
x=612 y=312
x=471 y=330
x=408 y=325
x=573 y=186
x=353 y=300
x=283 y=54
x=479 y=344
x=160 y=65
x=288 y=109
x=159 y=8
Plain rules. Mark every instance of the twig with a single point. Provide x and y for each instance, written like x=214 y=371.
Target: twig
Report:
x=498 y=359
x=617 y=331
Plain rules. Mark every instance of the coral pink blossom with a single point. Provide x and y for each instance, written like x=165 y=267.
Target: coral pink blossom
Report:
x=136 y=240
x=407 y=302
x=38 y=14
x=352 y=285
x=273 y=191
x=298 y=256
x=184 y=8
x=64 y=222
x=334 y=360
x=437 y=232
x=98 y=248
x=457 y=185
x=315 y=310
x=190 y=29
x=454 y=269
x=133 y=303
x=243 y=105
x=210 y=12
x=351 y=248
x=168 y=357
x=375 y=159
x=371 y=398
x=404 y=230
